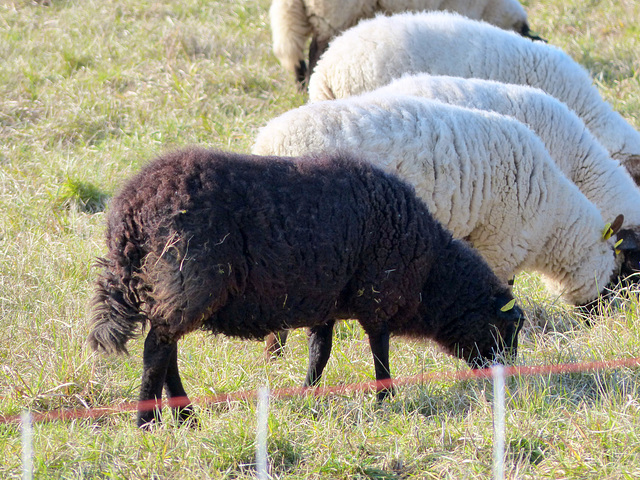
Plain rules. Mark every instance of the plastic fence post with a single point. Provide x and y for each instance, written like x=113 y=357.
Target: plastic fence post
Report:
x=498 y=422
x=262 y=464
x=27 y=447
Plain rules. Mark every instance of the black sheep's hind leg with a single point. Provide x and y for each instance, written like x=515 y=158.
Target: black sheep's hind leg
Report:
x=155 y=362
x=379 y=342
x=178 y=399
x=320 y=341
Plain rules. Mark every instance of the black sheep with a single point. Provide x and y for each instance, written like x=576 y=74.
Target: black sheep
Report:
x=246 y=245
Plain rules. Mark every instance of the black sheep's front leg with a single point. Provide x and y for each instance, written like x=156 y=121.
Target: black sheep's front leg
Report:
x=155 y=363
x=320 y=341
x=178 y=399
x=379 y=343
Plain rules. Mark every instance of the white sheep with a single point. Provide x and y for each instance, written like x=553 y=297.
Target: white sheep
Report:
x=570 y=144
x=294 y=21
x=486 y=177
x=381 y=49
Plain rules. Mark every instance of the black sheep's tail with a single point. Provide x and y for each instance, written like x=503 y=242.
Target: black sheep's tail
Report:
x=116 y=311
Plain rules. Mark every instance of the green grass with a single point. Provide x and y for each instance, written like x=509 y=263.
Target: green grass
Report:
x=90 y=91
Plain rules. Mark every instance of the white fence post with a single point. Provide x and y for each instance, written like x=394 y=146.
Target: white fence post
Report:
x=262 y=463
x=27 y=447
x=498 y=422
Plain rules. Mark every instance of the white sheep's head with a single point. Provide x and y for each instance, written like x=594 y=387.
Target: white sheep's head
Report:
x=524 y=30
x=628 y=246
x=632 y=164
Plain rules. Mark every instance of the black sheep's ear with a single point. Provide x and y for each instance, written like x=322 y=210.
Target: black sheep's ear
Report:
x=513 y=319
x=506 y=307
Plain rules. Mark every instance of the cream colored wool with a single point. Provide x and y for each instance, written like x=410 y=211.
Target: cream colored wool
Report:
x=570 y=144
x=379 y=50
x=294 y=21
x=486 y=177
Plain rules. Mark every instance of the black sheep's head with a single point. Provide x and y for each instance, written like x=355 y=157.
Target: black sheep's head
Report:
x=508 y=321
x=492 y=337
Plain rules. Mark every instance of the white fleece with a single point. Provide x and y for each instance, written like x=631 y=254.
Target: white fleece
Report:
x=381 y=49
x=570 y=144
x=294 y=21
x=486 y=177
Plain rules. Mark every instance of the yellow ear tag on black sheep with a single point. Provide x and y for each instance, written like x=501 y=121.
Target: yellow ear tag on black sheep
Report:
x=618 y=243
x=607 y=232
x=508 y=306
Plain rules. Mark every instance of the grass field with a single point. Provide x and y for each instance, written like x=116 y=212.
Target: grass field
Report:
x=91 y=90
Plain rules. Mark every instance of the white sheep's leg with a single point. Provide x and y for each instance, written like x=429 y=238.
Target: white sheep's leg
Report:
x=320 y=342
x=274 y=344
x=316 y=49
x=302 y=75
x=155 y=363
x=182 y=409
x=379 y=343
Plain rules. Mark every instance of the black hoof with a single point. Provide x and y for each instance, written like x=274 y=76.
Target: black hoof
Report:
x=385 y=392
x=185 y=416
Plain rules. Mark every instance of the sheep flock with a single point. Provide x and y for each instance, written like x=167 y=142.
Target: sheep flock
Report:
x=440 y=137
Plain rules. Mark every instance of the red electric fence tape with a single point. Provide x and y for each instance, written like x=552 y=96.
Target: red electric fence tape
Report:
x=97 y=412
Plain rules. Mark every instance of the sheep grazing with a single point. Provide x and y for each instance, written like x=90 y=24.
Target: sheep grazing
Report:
x=245 y=245
x=570 y=144
x=486 y=177
x=448 y=44
x=294 y=21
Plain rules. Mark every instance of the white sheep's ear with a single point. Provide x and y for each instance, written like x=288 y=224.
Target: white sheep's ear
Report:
x=508 y=306
x=612 y=228
x=617 y=224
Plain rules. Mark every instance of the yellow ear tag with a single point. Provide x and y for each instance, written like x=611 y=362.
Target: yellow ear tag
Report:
x=618 y=243
x=508 y=306
x=607 y=232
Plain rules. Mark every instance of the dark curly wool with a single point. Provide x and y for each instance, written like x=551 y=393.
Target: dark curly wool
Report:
x=245 y=245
